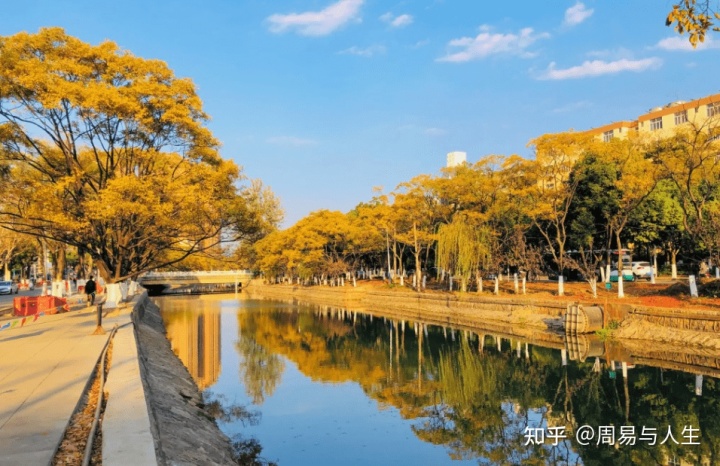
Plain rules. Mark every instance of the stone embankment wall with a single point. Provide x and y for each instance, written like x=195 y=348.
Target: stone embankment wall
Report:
x=689 y=328
x=183 y=430
x=505 y=316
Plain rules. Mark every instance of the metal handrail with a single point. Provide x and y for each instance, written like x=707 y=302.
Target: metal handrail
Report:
x=89 y=445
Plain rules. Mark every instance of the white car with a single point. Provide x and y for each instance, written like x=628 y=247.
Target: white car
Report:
x=642 y=269
x=7 y=287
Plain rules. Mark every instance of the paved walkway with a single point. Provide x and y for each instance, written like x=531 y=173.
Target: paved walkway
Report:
x=44 y=367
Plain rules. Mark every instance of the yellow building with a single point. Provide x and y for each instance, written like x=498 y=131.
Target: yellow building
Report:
x=662 y=121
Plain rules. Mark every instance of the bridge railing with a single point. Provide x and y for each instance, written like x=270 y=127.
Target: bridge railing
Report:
x=208 y=273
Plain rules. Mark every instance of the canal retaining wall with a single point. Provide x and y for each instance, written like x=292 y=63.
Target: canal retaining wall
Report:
x=533 y=322
x=518 y=317
x=184 y=430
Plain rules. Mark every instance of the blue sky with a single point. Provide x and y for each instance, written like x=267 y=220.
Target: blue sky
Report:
x=324 y=99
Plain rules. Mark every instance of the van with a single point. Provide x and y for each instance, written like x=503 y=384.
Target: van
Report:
x=626 y=261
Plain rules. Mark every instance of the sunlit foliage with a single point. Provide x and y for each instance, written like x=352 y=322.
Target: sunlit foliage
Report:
x=109 y=153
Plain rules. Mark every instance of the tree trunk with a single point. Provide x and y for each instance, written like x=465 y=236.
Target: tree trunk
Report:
x=673 y=263
x=395 y=259
x=418 y=264
x=621 y=292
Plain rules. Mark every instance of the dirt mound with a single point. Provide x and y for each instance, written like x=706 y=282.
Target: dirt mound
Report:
x=676 y=289
x=710 y=289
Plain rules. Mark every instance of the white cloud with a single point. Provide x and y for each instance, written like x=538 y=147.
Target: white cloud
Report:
x=366 y=52
x=487 y=43
x=317 y=23
x=682 y=44
x=576 y=14
x=599 y=67
x=396 y=21
x=435 y=132
x=291 y=141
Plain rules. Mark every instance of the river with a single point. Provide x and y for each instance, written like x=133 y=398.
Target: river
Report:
x=318 y=385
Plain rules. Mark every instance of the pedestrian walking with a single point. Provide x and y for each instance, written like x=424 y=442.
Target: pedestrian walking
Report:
x=90 y=288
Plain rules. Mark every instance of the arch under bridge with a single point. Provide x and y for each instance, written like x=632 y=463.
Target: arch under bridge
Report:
x=194 y=282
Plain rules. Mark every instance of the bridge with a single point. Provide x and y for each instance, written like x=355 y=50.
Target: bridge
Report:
x=194 y=282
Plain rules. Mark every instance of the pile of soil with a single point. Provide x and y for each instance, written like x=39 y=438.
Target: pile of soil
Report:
x=710 y=289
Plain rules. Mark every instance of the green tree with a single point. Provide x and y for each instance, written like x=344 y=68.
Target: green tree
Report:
x=595 y=201
x=689 y=160
x=658 y=223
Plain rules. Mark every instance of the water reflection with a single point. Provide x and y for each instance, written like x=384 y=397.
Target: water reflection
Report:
x=479 y=397
x=194 y=329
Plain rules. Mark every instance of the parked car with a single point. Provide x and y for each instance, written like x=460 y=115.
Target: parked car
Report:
x=642 y=269
x=7 y=287
x=627 y=275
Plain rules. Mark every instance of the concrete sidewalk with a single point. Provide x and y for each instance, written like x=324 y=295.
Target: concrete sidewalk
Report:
x=44 y=367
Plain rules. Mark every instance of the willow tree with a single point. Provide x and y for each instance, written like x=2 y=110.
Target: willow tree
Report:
x=479 y=196
x=109 y=152
x=462 y=248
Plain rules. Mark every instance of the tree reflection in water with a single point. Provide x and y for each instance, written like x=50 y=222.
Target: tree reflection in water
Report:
x=476 y=399
x=261 y=370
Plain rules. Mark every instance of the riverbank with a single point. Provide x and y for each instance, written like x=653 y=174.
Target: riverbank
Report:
x=679 y=321
x=183 y=428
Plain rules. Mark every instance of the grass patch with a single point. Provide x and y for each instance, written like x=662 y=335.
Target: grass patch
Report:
x=608 y=332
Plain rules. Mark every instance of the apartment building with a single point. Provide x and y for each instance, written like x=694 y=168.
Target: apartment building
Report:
x=662 y=121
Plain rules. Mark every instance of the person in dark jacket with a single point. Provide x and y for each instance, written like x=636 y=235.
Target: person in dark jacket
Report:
x=90 y=288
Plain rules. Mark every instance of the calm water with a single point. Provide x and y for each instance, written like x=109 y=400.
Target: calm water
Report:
x=320 y=385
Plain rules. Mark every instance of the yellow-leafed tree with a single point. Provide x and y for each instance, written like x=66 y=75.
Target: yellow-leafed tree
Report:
x=694 y=17
x=109 y=152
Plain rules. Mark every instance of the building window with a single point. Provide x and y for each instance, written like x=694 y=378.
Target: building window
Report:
x=656 y=123
x=607 y=136
x=680 y=117
x=713 y=109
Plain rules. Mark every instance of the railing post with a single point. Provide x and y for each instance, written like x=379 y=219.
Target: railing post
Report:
x=99 y=330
